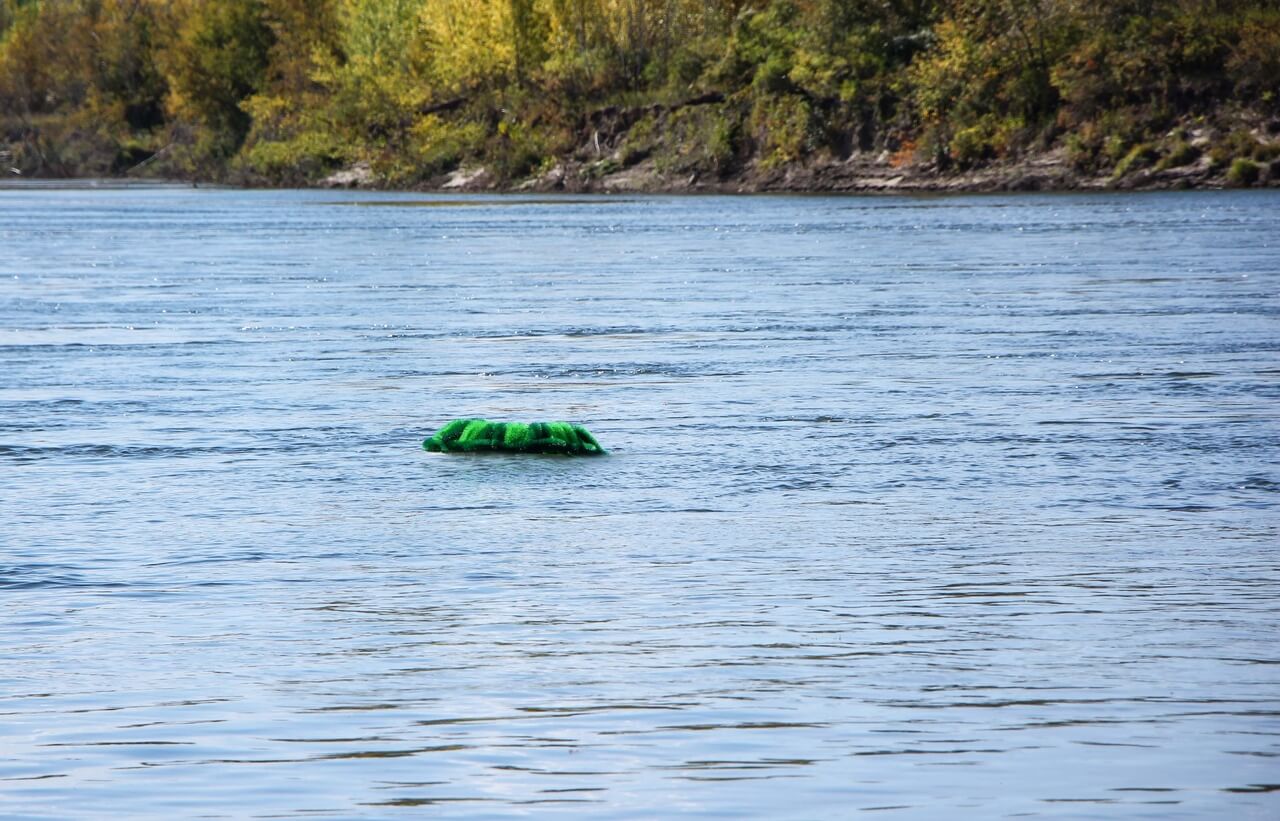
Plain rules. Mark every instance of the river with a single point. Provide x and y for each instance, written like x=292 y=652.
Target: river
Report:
x=938 y=506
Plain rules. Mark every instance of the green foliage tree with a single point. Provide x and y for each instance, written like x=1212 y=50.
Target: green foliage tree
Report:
x=217 y=59
x=290 y=139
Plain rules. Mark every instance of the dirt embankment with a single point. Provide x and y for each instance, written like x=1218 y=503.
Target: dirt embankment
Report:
x=654 y=149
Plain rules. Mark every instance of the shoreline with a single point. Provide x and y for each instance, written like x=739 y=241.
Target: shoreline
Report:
x=1045 y=172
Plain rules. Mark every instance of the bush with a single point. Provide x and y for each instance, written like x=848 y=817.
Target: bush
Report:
x=603 y=168
x=1180 y=153
x=517 y=149
x=785 y=129
x=1139 y=157
x=440 y=146
x=295 y=161
x=1080 y=152
x=701 y=139
x=971 y=146
x=722 y=147
x=1243 y=172
x=1239 y=144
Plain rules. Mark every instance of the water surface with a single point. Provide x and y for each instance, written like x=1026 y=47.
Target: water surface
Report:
x=959 y=507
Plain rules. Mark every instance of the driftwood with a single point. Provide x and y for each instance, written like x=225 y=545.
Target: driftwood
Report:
x=149 y=160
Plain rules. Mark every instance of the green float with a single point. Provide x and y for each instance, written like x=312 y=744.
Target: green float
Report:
x=481 y=435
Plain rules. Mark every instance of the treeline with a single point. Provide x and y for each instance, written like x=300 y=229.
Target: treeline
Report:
x=287 y=91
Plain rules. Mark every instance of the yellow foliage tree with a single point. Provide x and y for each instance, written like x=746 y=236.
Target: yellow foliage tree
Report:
x=472 y=43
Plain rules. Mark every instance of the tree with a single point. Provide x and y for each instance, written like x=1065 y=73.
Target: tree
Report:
x=218 y=59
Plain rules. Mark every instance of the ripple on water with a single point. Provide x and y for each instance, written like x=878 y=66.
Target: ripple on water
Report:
x=958 y=505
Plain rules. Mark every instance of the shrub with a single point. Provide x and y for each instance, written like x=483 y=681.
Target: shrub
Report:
x=970 y=146
x=517 y=149
x=1243 y=172
x=1139 y=157
x=722 y=147
x=441 y=146
x=1180 y=153
x=783 y=123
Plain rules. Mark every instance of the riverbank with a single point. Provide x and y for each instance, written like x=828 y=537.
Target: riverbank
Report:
x=859 y=173
x=622 y=152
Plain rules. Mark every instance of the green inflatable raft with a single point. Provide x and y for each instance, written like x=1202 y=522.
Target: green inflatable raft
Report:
x=478 y=435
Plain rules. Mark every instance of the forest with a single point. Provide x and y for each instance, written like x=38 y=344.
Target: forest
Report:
x=571 y=94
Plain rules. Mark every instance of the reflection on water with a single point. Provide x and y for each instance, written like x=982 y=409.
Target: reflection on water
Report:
x=936 y=506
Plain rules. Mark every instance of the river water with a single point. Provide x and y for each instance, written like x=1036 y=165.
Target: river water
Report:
x=944 y=507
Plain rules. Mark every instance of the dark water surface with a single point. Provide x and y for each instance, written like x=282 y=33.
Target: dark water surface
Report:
x=956 y=507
